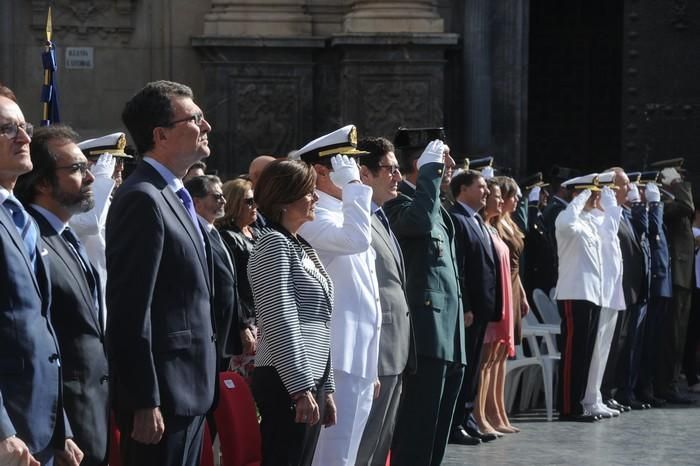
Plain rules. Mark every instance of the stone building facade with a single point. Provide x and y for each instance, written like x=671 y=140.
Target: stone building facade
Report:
x=532 y=83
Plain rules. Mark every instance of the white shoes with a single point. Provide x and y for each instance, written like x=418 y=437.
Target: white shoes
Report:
x=602 y=411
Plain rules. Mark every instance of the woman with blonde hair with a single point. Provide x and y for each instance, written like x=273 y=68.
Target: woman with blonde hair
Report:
x=238 y=233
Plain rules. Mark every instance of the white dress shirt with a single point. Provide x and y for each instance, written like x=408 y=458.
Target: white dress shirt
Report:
x=580 y=253
x=341 y=234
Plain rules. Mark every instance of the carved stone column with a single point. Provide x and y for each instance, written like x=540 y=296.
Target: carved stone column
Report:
x=257 y=18
x=393 y=16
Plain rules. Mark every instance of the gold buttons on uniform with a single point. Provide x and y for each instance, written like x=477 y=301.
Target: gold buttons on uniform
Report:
x=427 y=302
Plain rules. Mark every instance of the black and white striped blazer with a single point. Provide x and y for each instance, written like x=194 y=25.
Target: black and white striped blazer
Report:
x=293 y=298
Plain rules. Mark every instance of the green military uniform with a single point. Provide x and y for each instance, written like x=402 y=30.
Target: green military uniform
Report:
x=426 y=235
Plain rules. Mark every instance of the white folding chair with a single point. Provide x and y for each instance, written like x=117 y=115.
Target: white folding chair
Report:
x=546 y=307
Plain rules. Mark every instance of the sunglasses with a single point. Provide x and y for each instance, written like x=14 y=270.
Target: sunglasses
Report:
x=249 y=201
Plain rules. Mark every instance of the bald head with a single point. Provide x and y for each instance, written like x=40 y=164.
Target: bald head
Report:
x=256 y=167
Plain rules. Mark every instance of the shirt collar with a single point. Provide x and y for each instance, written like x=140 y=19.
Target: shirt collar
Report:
x=173 y=181
x=205 y=224
x=471 y=211
x=4 y=194
x=50 y=217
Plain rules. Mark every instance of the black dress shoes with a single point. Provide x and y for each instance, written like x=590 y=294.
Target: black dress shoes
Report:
x=476 y=433
x=458 y=436
x=653 y=401
x=612 y=404
x=634 y=404
x=584 y=417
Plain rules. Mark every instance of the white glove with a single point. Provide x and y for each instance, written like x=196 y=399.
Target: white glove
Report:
x=652 y=193
x=433 y=153
x=669 y=175
x=345 y=170
x=607 y=198
x=104 y=167
x=487 y=173
x=534 y=195
x=633 y=194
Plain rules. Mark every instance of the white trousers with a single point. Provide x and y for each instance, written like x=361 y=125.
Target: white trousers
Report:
x=338 y=445
x=601 y=350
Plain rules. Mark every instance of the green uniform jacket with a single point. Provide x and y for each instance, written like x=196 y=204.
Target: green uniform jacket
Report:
x=426 y=235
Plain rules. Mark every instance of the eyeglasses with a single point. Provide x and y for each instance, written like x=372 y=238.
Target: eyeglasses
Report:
x=197 y=118
x=218 y=196
x=249 y=201
x=393 y=169
x=11 y=130
x=82 y=167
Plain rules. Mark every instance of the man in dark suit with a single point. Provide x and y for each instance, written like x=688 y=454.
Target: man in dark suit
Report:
x=161 y=337
x=479 y=272
x=380 y=171
x=58 y=187
x=426 y=235
x=32 y=421
x=620 y=368
x=209 y=202
x=660 y=292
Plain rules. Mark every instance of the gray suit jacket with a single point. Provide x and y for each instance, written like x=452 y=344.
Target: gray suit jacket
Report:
x=396 y=348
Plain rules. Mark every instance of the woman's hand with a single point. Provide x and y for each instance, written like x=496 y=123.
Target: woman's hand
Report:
x=331 y=415
x=248 y=341
x=306 y=408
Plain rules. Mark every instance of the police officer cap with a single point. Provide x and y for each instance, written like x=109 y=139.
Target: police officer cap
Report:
x=112 y=143
x=341 y=141
x=417 y=138
x=532 y=181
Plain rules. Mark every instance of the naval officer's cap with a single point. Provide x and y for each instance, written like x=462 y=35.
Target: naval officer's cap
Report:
x=589 y=181
x=341 y=141
x=114 y=144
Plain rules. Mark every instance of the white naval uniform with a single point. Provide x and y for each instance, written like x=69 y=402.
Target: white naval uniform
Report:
x=341 y=234
x=612 y=301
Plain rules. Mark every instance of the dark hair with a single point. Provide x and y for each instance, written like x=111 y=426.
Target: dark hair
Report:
x=7 y=92
x=43 y=161
x=463 y=178
x=377 y=148
x=149 y=109
x=198 y=164
x=283 y=182
x=200 y=186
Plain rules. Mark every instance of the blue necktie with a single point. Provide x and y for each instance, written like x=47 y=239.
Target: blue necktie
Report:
x=186 y=199
x=80 y=251
x=25 y=226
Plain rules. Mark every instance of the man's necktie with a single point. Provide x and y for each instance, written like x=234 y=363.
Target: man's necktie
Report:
x=186 y=199
x=25 y=226
x=82 y=257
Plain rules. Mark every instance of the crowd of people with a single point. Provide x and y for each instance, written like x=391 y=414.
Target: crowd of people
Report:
x=369 y=286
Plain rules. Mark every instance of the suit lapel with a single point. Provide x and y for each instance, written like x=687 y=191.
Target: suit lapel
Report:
x=181 y=213
x=72 y=263
x=477 y=231
x=386 y=238
x=9 y=225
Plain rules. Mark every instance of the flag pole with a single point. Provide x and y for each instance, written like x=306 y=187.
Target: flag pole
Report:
x=47 y=71
x=49 y=93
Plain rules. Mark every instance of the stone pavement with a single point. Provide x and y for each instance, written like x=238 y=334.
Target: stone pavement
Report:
x=661 y=436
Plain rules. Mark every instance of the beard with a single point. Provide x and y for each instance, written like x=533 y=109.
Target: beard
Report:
x=74 y=203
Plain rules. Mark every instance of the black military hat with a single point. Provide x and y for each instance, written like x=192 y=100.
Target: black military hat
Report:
x=479 y=164
x=417 y=138
x=532 y=181
x=676 y=163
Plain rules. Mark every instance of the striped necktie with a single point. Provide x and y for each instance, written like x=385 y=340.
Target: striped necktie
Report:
x=25 y=226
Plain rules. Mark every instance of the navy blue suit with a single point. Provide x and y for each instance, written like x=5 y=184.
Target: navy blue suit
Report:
x=30 y=374
x=480 y=281
x=161 y=340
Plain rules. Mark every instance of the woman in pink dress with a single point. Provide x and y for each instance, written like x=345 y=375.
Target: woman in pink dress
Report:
x=490 y=410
